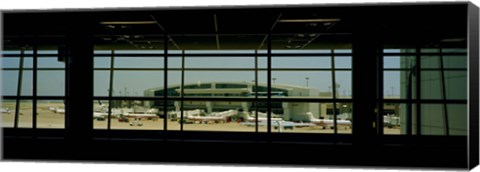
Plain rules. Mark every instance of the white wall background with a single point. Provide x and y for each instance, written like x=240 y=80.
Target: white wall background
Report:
x=89 y=4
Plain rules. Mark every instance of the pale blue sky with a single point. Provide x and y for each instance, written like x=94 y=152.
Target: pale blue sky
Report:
x=135 y=82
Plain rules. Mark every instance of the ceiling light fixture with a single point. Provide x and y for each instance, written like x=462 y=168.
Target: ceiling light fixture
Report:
x=127 y=22
x=307 y=20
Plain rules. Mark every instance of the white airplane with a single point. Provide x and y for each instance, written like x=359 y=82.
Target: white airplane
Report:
x=59 y=110
x=280 y=124
x=195 y=115
x=248 y=118
x=327 y=122
x=4 y=110
x=100 y=115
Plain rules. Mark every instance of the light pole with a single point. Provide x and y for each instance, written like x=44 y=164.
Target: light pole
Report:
x=307 y=78
x=392 y=91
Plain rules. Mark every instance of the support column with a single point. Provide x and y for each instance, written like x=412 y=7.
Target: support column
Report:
x=79 y=111
x=365 y=46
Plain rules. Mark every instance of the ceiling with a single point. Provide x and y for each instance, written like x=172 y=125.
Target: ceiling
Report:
x=290 y=27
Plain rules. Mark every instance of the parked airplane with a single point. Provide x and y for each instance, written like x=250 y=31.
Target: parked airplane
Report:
x=280 y=124
x=5 y=110
x=327 y=122
x=195 y=115
x=246 y=117
x=57 y=110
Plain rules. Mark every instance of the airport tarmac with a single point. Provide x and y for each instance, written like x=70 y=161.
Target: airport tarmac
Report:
x=49 y=119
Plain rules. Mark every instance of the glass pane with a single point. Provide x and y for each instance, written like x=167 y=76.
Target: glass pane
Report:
x=457 y=119
x=398 y=62
x=433 y=119
x=394 y=118
x=301 y=62
x=174 y=113
x=431 y=85
x=308 y=117
x=214 y=83
x=455 y=62
x=302 y=83
x=131 y=115
x=28 y=62
x=342 y=51
x=430 y=50
x=51 y=114
x=9 y=82
x=344 y=62
x=395 y=85
x=174 y=62
x=50 y=62
x=216 y=116
x=101 y=81
x=310 y=51
x=101 y=62
x=454 y=50
x=24 y=115
x=220 y=62
x=344 y=118
x=100 y=114
x=430 y=62
x=8 y=112
x=134 y=83
x=344 y=84
x=139 y=62
x=456 y=84
x=51 y=83
x=10 y=62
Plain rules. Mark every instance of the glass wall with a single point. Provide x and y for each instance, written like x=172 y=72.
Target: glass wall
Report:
x=438 y=78
x=21 y=96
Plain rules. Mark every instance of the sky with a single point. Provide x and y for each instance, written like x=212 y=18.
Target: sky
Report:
x=134 y=83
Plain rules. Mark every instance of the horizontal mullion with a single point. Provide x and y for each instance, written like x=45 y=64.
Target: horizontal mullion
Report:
x=426 y=69
x=421 y=54
x=246 y=55
x=136 y=69
x=38 y=69
x=425 y=101
x=232 y=69
x=35 y=97
x=30 y=55
x=310 y=69
x=314 y=100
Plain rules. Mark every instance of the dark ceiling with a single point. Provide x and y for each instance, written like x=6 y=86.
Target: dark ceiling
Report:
x=293 y=27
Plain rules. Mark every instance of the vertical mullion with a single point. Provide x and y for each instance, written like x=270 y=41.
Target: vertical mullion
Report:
x=19 y=88
x=444 y=95
x=256 y=91
x=380 y=96
x=65 y=53
x=269 y=83
x=418 y=88
x=334 y=89
x=110 y=93
x=165 y=81
x=182 y=91
x=34 y=92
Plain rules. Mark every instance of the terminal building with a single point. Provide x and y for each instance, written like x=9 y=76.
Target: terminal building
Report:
x=287 y=110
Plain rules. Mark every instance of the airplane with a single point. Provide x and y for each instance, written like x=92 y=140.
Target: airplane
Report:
x=57 y=110
x=195 y=115
x=248 y=118
x=4 y=110
x=280 y=124
x=140 y=115
x=327 y=122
